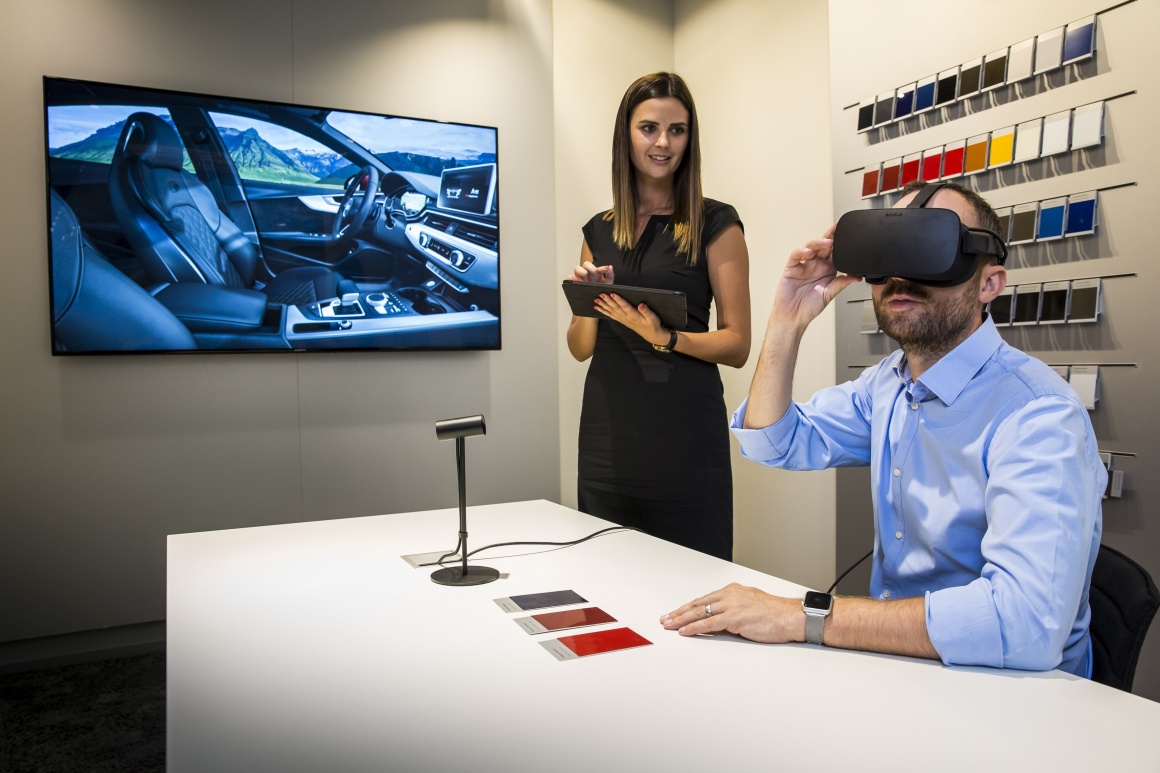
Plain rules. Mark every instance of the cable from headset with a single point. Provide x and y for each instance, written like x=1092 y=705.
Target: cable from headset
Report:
x=842 y=576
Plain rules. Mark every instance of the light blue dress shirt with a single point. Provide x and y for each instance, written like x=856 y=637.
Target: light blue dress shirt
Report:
x=986 y=487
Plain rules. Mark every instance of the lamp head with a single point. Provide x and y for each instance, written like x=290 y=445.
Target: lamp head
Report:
x=466 y=426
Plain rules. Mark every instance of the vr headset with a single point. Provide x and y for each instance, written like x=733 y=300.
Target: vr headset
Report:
x=927 y=246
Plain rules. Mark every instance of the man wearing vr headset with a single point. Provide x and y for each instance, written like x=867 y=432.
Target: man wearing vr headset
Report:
x=986 y=479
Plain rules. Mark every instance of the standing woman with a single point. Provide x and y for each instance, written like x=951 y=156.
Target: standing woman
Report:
x=654 y=438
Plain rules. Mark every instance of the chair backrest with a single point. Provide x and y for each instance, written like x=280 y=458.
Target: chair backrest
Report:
x=1123 y=601
x=97 y=308
x=167 y=214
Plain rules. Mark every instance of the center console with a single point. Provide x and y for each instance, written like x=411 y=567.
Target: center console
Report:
x=404 y=317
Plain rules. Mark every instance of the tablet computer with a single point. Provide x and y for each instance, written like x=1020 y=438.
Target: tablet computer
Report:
x=669 y=305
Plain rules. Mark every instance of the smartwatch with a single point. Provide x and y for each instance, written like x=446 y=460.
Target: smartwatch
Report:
x=817 y=607
x=669 y=346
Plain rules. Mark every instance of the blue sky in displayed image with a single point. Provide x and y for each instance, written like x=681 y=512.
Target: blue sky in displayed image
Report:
x=72 y=123
x=408 y=135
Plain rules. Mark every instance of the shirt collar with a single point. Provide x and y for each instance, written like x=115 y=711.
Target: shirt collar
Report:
x=948 y=377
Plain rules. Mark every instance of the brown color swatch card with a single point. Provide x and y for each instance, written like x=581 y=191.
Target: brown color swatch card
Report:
x=569 y=618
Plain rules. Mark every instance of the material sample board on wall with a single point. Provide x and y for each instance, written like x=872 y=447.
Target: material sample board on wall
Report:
x=1021 y=60
x=1087 y=126
x=1002 y=147
x=995 y=69
x=1048 y=51
x=903 y=102
x=1056 y=133
x=1027 y=138
x=1081 y=213
x=924 y=93
x=1079 y=41
x=954 y=159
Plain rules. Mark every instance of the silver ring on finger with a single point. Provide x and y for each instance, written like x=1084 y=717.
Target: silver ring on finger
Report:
x=708 y=610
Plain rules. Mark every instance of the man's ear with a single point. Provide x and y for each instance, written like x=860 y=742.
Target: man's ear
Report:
x=994 y=280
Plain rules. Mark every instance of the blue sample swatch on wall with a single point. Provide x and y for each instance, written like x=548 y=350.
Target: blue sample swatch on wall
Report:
x=1078 y=43
x=904 y=104
x=1050 y=222
x=1081 y=217
x=924 y=97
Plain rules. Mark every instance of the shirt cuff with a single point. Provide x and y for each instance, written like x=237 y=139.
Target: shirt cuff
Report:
x=963 y=626
x=766 y=443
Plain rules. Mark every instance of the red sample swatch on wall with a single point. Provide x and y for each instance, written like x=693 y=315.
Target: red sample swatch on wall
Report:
x=931 y=165
x=910 y=171
x=953 y=160
x=890 y=174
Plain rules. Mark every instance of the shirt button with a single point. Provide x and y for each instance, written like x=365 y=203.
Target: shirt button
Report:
x=885 y=594
x=897 y=472
x=914 y=406
x=897 y=535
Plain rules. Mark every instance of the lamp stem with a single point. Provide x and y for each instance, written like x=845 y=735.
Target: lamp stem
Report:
x=461 y=466
x=460 y=429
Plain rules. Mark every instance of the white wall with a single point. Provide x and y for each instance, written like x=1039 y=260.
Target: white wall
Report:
x=760 y=73
x=100 y=458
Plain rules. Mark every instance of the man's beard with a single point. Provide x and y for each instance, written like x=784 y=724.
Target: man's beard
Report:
x=933 y=329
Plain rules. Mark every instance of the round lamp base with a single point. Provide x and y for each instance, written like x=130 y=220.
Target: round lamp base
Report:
x=455 y=575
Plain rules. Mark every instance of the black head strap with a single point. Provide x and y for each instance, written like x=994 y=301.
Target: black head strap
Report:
x=924 y=195
x=975 y=241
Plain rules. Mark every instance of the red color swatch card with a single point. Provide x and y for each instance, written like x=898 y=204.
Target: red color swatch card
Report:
x=569 y=618
x=585 y=644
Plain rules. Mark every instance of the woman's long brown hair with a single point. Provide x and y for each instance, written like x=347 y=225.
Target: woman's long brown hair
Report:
x=688 y=203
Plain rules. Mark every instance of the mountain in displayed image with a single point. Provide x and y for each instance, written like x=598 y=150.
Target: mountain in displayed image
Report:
x=99 y=146
x=320 y=163
x=257 y=159
x=432 y=165
x=254 y=158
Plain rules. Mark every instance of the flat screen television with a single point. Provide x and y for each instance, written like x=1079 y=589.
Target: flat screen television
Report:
x=186 y=222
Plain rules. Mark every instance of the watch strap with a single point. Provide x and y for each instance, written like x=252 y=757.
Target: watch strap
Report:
x=815 y=628
x=669 y=346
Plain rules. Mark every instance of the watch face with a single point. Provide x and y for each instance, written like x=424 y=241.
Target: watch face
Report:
x=817 y=600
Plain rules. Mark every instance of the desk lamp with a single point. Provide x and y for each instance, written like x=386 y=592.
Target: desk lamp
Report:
x=465 y=427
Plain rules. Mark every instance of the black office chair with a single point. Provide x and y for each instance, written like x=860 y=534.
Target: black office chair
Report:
x=1123 y=601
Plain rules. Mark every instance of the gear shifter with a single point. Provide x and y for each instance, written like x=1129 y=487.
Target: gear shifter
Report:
x=348 y=304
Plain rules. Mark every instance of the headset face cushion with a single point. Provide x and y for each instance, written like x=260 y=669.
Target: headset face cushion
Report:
x=922 y=245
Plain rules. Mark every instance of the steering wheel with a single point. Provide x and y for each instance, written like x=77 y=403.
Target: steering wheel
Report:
x=353 y=211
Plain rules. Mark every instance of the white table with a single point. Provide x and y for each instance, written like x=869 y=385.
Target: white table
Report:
x=315 y=647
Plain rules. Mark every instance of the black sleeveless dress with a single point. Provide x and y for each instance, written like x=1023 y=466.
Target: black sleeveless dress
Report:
x=654 y=432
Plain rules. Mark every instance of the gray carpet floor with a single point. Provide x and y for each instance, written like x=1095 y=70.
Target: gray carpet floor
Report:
x=97 y=717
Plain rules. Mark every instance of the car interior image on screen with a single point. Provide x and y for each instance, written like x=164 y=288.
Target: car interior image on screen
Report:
x=184 y=222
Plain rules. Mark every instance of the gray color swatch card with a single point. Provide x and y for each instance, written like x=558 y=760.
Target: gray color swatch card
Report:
x=556 y=598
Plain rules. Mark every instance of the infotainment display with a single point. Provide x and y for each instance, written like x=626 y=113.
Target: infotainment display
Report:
x=468 y=189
